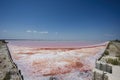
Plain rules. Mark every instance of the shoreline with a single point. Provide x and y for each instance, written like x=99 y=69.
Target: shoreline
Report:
x=13 y=72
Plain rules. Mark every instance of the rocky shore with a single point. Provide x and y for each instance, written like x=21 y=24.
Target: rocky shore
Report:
x=8 y=69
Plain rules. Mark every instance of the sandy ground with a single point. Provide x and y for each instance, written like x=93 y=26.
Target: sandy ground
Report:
x=113 y=49
x=61 y=63
x=116 y=73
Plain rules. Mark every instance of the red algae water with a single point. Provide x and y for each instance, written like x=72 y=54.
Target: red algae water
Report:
x=62 y=60
x=52 y=44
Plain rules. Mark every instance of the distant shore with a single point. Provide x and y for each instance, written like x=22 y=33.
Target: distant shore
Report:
x=55 y=44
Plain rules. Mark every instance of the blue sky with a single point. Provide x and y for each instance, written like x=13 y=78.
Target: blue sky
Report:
x=60 y=19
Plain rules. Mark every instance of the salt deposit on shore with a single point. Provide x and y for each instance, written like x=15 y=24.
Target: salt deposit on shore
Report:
x=64 y=64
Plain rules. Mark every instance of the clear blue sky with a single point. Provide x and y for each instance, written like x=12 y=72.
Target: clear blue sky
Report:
x=60 y=19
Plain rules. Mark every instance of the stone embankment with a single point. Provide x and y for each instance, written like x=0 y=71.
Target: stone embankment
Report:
x=108 y=65
x=8 y=69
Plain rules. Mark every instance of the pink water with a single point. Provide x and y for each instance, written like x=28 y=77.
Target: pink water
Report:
x=53 y=44
x=65 y=60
